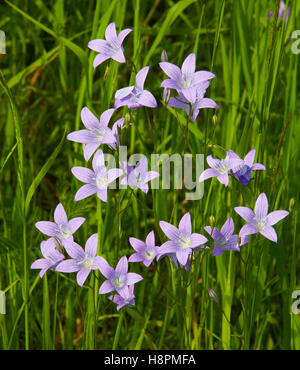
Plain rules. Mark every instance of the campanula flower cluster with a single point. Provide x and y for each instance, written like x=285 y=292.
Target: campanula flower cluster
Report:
x=62 y=254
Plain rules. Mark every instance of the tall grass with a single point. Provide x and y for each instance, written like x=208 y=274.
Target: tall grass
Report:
x=47 y=77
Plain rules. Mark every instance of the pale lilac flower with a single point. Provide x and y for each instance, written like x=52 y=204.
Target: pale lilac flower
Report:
x=167 y=92
x=192 y=99
x=118 y=279
x=138 y=176
x=135 y=96
x=82 y=261
x=111 y=47
x=62 y=229
x=97 y=181
x=224 y=240
x=97 y=132
x=260 y=221
x=186 y=77
x=145 y=252
x=242 y=172
x=220 y=168
x=52 y=257
x=281 y=12
x=127 y=299
x=182 y=240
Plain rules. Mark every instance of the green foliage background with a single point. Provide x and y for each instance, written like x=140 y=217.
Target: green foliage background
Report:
x=47 y=77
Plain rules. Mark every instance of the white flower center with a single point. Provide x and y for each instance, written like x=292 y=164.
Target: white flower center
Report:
x=87 y=263
x=99 y=133
x=148 y=253
x=186 y=81
x=101 y=179
x=64 y=231
x=260 y=223
x=184 y=241
x=222 y=167
x=119 y=281
x=222 y=243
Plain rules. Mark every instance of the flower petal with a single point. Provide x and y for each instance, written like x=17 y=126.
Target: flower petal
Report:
x=189 y=65
x=75 y=251
x=85 y=191
x=106 y=287
x=60 y=216
x=150 y=239
x=171 y=70
x=270 y=233
x=249 y=159
x=182 y=256
x=247 y=230
x=228 y=228
x=47 y=227
x=185 y=224
x=81 y=276
x=89 y=120
x=106 y=116
x=91 y=245
x=206 y=174
x=75 y=223
x=137 y=244
x=68 y=266
x=98 y=45
x=147 y=99
x=261 y=206
x=133 y=278
x=123 y=34
x=100 y=58
x=89 y=150
x=140 y=77
x=276 y=216
x=82 y=136
x=246 y=213
x=119 y=56
x=105 y=269
x=110 y=32
x=83 y=174
x=170 y=230
x=122 y=266
x=197 y=239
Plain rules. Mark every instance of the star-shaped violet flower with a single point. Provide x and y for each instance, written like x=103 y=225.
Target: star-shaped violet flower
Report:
x=182 y=240
x=193 y=99
x=260 y=221
x=220 y=168
x=186 y=77
x=242 y=172
x=61 y=229
x=127 y=299
x=97 y=181
x=224 y=240
x=138 y=176
x=97 y=132
x=135 y=96
x=145 y=252
x=111 y=47
x=82 y=261
x=118 y=279
x=52 y=257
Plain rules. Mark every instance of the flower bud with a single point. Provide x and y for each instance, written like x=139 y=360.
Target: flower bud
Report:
x=164 y=56
x=213 y=295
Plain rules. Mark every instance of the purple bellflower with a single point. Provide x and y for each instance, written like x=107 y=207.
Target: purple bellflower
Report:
x=52 y=257
x=186 y=77
x=193 y=100
x=82 y=261
x=182 y=240
x=97 y=181
x=127 y=299
x=97 y=132
x=138 y=176
x=118 y=279
x=243 y=171
x=220 y=168
x=224 y=240
x=111 y=47
x=260 y=221
x=281 y=12
x=145 y=252
x=135 y=96
x=61 y=229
